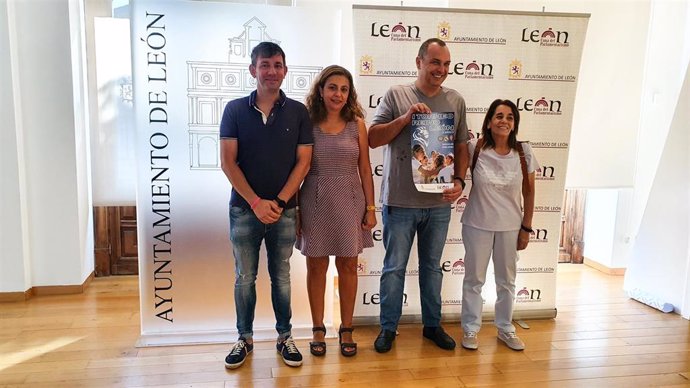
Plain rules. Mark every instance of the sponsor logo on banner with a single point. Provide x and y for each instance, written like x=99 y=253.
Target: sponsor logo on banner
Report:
x=456 y=267
x=443 y=31
x=547 y=209
x=451 y=302
x=412 y=272
x=472 y=39
x=454 y=240
x=366 y=68
x=539 y=236
x=541 y=106
x=528 y=296
x=549 y=144
x=377 y=170
x=399 y=32
x=536 y=269
x=546 y=173
x=459 y=206
x=547 y=37
x=366 y=65
x=374 y=100
x=515 y=72
x=476 y=109
x=377 y=234
x=369 y=298
x=473 y=70
x=361 y=266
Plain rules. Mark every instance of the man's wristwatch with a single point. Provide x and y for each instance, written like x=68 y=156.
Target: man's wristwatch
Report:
x=281 y=203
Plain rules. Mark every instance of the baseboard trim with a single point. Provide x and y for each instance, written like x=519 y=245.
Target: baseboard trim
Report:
x=46 y=290
x=602 y=268
x=15 y=296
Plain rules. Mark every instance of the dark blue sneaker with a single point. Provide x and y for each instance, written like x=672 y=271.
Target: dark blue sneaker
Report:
x=288 y=350
x=238 y=354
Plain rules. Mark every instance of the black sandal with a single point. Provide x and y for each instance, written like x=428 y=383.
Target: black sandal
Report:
x=318 y=348
x=345 y=345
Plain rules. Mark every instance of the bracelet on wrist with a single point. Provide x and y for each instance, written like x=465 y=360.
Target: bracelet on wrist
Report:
x=371 y=208
x=526 y=229
x=254 y=202
x=462 y=181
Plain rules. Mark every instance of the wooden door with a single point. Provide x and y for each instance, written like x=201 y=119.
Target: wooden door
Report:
x=116 y=240
x=571 y=244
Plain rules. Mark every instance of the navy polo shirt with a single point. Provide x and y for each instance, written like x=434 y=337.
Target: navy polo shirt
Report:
x=266 y=153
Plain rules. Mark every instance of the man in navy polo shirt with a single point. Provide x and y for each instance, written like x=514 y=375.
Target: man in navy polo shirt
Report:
x=266 y=146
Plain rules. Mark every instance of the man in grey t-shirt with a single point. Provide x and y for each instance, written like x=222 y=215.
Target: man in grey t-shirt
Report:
x=407 y=211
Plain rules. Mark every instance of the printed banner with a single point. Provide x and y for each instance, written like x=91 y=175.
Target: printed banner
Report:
x=532 y=59
x=189 y=59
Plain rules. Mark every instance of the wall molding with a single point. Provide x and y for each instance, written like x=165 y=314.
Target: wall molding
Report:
x=46 y=290
x=602 y=268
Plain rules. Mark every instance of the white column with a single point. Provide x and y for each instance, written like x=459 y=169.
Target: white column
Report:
x=14 y=244
x=46 y=192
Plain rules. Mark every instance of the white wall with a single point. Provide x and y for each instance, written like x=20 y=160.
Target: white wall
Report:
x=600 y=225
x=14 y=247
x=668 y=46
x=660 y=261
x=46 y=48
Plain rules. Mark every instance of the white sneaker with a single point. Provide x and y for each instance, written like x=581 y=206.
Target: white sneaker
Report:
x=469 y=340
x=511 y=340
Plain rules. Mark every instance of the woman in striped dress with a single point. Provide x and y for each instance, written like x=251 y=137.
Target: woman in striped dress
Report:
x=337 y=210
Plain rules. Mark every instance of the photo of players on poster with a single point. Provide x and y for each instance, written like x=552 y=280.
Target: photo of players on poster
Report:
x=433 y=137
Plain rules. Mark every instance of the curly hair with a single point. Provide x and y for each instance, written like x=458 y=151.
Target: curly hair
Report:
x=314 y=101
x=486 y=131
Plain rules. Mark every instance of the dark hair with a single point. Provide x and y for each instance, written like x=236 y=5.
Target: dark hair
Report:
x=439 y=161
x=486 y=132
x=266 y=50
x=314 y=101
x=425 y=46
x=417 y=148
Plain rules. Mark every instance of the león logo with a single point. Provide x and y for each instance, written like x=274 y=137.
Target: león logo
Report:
x=515 y=70
x=366 y=65
x=549 y=37
x=458 y=267
x=398 y=32
x=443 y=31
x=361 y=266
x=541 y=106
x=528 y=296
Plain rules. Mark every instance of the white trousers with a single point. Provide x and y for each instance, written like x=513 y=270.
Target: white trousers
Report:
x=480 y=246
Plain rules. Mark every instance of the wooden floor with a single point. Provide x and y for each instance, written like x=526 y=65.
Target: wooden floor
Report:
x=599 y=339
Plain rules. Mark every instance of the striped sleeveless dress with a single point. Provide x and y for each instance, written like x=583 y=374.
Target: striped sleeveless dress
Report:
x=331 y=199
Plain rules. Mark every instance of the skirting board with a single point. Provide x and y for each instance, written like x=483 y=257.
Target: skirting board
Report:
x=455 y=317
x=46 y=290
x=15 y=296
x=602 y=268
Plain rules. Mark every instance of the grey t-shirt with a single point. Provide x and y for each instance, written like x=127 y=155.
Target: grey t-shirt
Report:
x=397 y=188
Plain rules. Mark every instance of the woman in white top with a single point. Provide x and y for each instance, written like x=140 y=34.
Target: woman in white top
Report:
x=494 y=224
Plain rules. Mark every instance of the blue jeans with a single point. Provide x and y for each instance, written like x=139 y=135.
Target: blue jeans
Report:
x=399 y=228
x=246 y=234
